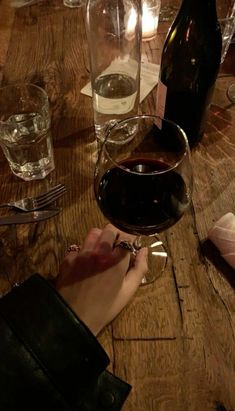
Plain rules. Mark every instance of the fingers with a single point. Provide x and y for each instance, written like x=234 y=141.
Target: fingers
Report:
x=106 y=240
x=101 y=240
x=88 y=245
x=138 y=270
x=126 y=237
x=99 y=246
x=91 y=239
x=106 y=254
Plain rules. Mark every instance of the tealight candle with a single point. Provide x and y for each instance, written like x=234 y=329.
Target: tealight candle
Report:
x=150 y=16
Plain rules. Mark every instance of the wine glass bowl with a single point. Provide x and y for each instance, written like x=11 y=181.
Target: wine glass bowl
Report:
x=144 y=186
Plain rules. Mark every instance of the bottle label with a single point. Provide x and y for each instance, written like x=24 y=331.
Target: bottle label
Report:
x=161 y=102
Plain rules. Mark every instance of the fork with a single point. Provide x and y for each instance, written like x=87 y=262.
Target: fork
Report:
x=41 y=201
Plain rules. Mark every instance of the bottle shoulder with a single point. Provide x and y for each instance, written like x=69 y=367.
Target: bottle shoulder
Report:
x=190 y=44
x=190 y=32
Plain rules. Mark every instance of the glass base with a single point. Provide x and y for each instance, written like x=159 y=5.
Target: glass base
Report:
x=33 y=171
x=157 y=257
x=125 y=133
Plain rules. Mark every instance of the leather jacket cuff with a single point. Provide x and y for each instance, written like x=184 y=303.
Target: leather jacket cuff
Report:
x=62 y=345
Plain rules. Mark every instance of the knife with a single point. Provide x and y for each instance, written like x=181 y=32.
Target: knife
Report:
x=25 y=218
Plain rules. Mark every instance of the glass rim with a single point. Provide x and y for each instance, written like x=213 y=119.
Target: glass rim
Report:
x=186 y=150
x=27 y=85
x=22 y=84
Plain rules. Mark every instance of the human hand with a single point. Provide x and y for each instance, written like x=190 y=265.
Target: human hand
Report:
x=97 y=282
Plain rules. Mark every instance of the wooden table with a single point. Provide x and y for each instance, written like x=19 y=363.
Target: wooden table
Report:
x=175 y=342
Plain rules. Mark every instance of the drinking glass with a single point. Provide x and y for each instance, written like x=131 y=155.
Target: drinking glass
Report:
x=25 y=135
x=114 y=40
x=226 y=16
x=144 y=186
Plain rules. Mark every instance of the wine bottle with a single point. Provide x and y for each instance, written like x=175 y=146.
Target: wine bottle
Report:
x=189 y=67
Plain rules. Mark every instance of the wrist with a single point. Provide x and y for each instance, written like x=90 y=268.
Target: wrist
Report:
x=91 y=323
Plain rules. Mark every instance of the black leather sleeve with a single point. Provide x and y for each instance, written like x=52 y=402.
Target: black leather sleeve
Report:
x=49 y=358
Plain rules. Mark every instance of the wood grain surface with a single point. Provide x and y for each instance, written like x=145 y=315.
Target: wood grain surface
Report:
x=175 y=342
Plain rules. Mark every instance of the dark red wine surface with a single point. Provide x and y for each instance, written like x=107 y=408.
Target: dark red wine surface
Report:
x=142 y=203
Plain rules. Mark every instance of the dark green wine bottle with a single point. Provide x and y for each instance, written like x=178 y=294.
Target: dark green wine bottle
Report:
x=189 y=67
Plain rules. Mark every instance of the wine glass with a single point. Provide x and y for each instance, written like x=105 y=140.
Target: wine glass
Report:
x=144 y=186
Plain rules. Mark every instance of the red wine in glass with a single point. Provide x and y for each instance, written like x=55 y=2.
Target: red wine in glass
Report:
x=157 y=205
x=144 y=186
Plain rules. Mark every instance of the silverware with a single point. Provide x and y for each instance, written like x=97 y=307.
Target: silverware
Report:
x=31 y=217
x=36 y=203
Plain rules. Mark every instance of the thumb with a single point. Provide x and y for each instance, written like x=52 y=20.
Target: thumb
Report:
x=137 y=272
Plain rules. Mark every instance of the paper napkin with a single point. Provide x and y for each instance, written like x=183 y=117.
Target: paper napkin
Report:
x=222 y=234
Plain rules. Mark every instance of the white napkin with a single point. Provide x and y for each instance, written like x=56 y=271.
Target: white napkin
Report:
x=148 y=79
x=222 y=234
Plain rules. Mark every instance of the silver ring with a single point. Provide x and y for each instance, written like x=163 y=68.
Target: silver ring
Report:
x=74 y=247
x=126 y=245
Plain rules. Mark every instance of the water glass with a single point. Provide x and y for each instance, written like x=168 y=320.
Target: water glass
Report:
x=226 y=17
x=150 y=17
x=114 y=39
x=25 y=135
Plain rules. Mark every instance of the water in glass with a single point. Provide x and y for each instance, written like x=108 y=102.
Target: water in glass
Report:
x=114 y=95
x=27 y=145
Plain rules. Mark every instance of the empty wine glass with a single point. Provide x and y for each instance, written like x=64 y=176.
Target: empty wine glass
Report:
x=144 y=186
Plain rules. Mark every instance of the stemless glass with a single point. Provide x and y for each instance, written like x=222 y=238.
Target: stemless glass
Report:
x=144 y=186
